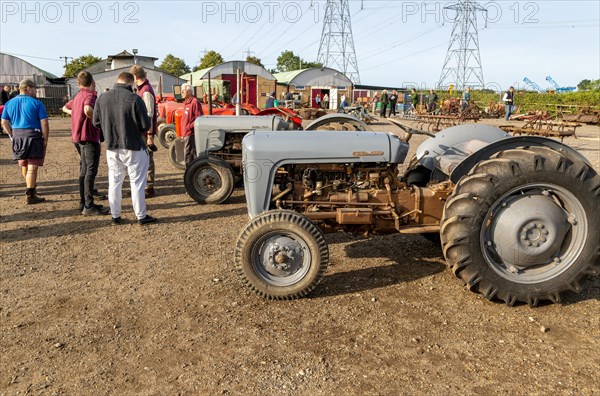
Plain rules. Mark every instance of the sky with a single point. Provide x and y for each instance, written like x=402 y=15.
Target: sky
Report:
x=397 y=42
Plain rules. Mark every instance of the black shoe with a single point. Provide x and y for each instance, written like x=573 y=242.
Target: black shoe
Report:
x=149 y=192
x=99 y=196
x=116 y=221
x=147 y=220
x=95 y=210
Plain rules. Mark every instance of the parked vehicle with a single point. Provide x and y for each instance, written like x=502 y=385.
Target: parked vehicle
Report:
x=517 y=216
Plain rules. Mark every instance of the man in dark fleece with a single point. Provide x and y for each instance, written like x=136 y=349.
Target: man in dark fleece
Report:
x=123 y=118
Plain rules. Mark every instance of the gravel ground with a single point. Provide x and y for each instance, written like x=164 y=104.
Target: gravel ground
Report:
x=89 y=308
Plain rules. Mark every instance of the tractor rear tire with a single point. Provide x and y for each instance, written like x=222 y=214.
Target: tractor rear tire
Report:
x=281 y=255
x=523 y=226
x=173 y=156
x=209 y=180
x=167 y=134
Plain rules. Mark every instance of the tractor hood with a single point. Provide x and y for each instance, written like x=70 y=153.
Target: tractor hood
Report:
x=264 y=152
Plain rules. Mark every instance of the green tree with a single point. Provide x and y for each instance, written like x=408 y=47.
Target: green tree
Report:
x=212 y=58
x=287 y=61
x=254 y=60
x=589 y=85
x=174 y=66
x=584 y=85
x=78 y=64
x=307 y=65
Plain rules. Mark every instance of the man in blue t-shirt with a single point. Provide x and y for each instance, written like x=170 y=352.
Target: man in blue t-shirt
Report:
x=25 y=120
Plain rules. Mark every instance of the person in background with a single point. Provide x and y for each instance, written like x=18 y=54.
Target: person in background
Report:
x=415 y=100
x=86 y=138
x=271 y=101
x=393 y=102
x=318 y=100
x=325 y=101
x=5 y=95
x=146 y=92
x=192 y=109
x=374 y=102
x=432 y=101
x=343 y=102
x=385 y=99
x=123 y=118
x=509 y=102
x=14 y=92
x=465 y=100
x=26 y=122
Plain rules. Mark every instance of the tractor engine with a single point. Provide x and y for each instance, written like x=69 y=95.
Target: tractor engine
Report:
x=359 y=197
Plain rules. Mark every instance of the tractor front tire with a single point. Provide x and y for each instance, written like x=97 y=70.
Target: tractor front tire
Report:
x=281 y=255
x=523 y=226
x=209 y=180
x=167 y=134
x=173 y=155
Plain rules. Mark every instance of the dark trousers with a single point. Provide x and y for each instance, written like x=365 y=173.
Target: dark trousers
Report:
x=392 y=108
x=89 y=160
x=383 y=109
x=150 y=174
x=189 y=149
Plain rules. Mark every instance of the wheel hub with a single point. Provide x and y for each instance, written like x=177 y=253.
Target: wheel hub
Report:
x=284 y=260
x=528 y=230
x=208 y=181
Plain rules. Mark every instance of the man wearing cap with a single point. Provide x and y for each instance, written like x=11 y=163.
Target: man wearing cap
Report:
x=25 y=120
x=86 y=138
x=146 y=92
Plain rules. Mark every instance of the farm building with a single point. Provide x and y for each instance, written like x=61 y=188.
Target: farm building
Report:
x=310 y=82
x=51 y=90
x=256 y=85
x=106 y=71
x=14 y=69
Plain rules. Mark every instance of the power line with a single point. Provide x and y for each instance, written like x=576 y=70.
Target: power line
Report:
x=34 y=57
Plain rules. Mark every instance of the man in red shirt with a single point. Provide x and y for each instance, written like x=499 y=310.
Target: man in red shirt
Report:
x=86 y=138
x=192 y=109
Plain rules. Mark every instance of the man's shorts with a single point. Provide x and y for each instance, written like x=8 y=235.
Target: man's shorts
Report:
x=37 y=161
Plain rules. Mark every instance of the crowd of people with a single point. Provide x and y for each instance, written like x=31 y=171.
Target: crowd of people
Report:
x=124 y=118
x=430 y=102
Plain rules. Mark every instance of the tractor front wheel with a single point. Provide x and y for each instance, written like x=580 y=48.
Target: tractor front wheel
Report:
x=209 y=180
x=167 y=134
x=281 y=255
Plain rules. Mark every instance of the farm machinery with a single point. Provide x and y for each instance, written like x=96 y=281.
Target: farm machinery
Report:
x=210 y=178
x=517 y=216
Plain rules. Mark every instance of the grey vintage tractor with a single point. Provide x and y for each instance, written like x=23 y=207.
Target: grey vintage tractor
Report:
x=211 y=177
x=517 y=216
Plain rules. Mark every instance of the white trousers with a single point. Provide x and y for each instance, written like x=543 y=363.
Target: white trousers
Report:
x=136 y=165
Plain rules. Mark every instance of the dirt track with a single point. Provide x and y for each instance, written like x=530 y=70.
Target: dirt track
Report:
x=88 y=308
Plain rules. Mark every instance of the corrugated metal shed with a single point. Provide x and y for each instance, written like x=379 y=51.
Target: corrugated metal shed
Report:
x=14 y=69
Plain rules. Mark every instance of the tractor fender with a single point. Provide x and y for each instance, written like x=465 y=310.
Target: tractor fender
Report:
x=511 y=143
x=337 y=118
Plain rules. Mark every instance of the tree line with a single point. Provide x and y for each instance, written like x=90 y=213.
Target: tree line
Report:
x=175 y=66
